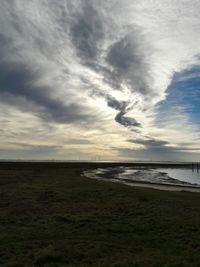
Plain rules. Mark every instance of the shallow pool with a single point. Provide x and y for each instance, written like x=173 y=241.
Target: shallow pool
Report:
x=167 y=176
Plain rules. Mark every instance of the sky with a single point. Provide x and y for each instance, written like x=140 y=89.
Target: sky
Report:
x=100 y=80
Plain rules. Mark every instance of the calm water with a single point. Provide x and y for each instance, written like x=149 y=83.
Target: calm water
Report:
x=168 y=176
x=183 y=175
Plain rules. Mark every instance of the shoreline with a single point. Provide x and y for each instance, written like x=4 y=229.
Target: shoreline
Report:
x=157 y=186
x=166 y=186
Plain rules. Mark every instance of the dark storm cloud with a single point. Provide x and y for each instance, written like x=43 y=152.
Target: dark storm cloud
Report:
x=87 y=33
x=53 y=53
x=18 y=87
x=85 y=26
x=20 y=84
x=122 y=107
x=128 y=64
x=3 y=42
x=154 y=148
x=159 y=153
x=151 y=154
x=5 y=46
x=150 y=142
x=114 y=103
x=126 y=121
x=125 y=60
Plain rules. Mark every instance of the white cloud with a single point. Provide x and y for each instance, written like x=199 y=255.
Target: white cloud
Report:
x=78 y=53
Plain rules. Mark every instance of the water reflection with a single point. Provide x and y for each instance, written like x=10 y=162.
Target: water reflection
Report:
x=183 y=175
x=167 y=176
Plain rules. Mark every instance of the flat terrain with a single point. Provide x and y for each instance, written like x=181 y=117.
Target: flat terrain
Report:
x=51 y=216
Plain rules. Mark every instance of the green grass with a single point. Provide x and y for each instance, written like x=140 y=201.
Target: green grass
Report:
x=51 y=216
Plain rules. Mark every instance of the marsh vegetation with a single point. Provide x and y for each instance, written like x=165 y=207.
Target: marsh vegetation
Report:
x=51 y=216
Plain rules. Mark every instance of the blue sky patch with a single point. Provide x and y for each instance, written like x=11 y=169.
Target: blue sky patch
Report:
x=184 y=92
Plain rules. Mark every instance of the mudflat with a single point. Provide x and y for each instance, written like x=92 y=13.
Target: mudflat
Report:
x=50 y=215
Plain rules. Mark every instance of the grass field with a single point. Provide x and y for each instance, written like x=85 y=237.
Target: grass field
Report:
x=51 y=216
